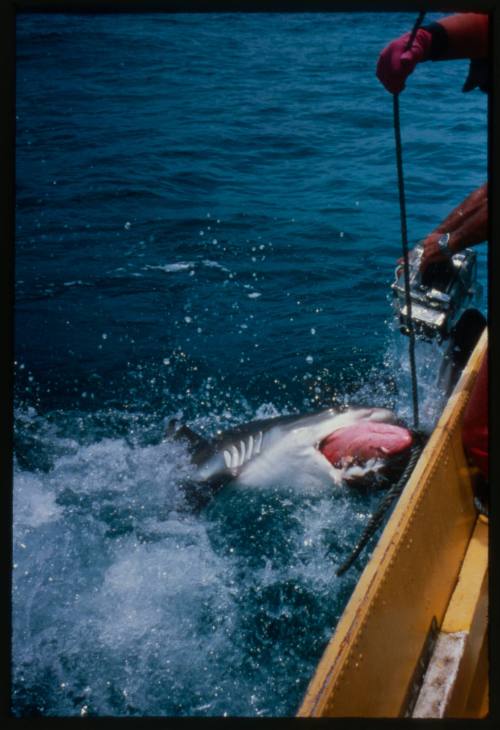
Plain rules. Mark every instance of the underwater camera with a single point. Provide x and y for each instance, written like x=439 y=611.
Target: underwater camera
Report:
x=438 y=296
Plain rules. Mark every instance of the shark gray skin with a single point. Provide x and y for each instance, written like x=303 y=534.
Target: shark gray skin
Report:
x=272 y=450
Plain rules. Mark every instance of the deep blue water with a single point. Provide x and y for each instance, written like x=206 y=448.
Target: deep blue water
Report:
x=207 y=224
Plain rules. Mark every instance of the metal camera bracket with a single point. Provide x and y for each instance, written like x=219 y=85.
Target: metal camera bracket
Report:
x=437 y=300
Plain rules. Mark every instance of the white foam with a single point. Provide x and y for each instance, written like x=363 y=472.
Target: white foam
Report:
x=171 y=268
x=268 y=410
x=34 y=505
x=215 y=265
x=187 y=266
x=129 y=606
x=160 y=586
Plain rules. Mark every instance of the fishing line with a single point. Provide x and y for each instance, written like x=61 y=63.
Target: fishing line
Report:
x=404 y=233
x=397 y=488
x=384 y=505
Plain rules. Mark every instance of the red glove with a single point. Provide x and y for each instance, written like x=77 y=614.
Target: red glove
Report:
x=395 y=63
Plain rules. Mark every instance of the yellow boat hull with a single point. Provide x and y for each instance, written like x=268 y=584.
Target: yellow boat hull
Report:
x=426 y=582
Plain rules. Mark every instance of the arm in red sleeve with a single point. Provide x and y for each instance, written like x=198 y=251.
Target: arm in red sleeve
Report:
x=467 y=35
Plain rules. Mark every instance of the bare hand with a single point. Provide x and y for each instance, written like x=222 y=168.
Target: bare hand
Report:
x=431 y=253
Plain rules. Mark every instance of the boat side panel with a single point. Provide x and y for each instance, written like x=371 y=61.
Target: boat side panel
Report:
x=367 y=668
x=454 y=683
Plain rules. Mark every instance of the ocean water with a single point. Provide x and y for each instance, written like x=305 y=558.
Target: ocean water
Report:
x=207 y=225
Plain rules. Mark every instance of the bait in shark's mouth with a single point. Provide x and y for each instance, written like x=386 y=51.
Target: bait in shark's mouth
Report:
x=364 y=441
x=353 y=446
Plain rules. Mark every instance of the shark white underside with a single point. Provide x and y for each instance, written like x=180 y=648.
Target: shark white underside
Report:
x=287 y=453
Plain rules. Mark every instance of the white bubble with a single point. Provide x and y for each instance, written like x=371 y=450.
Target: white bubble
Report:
x=313 y=331
x=104 y=336
x=127 y=225
x=309 y=359
x=188 y=319
x=166 y=361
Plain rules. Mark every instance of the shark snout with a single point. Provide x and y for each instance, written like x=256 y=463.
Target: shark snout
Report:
x=381 y=415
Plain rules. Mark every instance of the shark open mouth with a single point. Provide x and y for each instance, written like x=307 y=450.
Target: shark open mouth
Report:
x=363 y=441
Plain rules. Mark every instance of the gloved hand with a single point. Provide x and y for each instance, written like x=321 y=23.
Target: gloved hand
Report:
x=395 y=63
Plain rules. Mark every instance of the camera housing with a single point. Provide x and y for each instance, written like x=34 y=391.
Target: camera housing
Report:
x=438 y=296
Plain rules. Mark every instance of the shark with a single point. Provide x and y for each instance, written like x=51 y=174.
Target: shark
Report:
x=350 y=446
x=353 y=446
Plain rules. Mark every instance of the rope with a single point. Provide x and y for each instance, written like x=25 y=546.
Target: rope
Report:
x=417 y=25
x=398 y=487
x=406 y=268
x=404 y=234
x=380 y=512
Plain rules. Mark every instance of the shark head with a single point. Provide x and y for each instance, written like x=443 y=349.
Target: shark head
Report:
x=365 y=448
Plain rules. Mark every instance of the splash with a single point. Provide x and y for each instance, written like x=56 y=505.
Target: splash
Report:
x=125 y=603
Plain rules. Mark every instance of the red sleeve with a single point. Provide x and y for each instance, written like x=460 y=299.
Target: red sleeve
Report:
x=475 y=423
x=468 y=35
